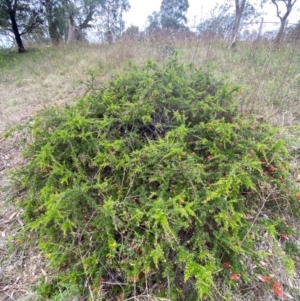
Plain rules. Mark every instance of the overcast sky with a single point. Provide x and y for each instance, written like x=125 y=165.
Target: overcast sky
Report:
x=141 y=9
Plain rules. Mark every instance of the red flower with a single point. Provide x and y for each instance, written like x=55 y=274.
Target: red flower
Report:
x=226 y=265
x=266 y=278
x=277 y=289
x=235 y=277
x=272 y=168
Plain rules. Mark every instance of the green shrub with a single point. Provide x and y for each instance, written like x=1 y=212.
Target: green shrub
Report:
x=156 y=184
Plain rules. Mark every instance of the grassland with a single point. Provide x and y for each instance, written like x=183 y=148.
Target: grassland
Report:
x=47 y=76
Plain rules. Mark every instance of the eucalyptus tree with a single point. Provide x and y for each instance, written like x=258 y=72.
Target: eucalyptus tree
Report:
x=106 y=15
x=222 y=18
x=154 y=23
x=282 y=15
x=239 y=8
x=172 y=15
x=55 y=11
x=80 y=15
x=20 y=17
x=110 y=19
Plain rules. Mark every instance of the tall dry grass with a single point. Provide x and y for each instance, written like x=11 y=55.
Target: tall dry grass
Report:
x=47 y=75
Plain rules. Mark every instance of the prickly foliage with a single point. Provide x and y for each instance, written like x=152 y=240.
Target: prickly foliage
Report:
x=151 y=185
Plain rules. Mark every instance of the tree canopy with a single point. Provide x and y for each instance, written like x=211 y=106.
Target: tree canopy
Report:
x=63 y=20
x=20 y=17
x=172 y=15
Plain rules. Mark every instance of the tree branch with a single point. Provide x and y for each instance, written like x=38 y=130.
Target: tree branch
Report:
x=237 y=5
x=15 y=5
x=277 y=9
x=89 y=17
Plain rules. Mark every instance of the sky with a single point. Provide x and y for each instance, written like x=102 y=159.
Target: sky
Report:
x=141 y=9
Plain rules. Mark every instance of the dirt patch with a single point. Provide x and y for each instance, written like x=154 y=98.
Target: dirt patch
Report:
x=20 y=266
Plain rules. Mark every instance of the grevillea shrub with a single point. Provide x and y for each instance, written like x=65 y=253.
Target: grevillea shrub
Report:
x=157 y=185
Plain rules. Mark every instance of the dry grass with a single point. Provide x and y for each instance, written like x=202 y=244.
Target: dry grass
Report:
x=45 y=76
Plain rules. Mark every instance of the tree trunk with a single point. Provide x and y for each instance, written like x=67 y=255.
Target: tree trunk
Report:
x=283 y=18
x=260 y=29
x=75 y=33
x=53 y=32
x=14 y=25
x=72 y=34
x=239 y=8
x=280 y=33
x=52 y=27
